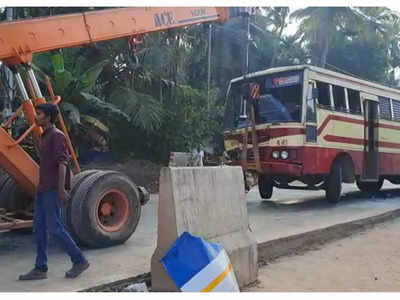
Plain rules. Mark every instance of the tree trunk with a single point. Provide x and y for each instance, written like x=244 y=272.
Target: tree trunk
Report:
x=324 y=37
x=315 y=50
x=325 y=49
x=276 y=45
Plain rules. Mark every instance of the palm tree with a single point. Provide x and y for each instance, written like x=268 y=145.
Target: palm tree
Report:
x=385 y=24
x=318 y=24
x=277 y=17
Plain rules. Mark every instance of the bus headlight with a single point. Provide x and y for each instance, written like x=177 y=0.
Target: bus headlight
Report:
x=284 y=154
x=275 y=154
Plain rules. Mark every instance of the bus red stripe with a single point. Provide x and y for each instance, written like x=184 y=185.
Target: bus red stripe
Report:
x=350 y=120
x=389 y=145
x=268 y=133
x=278 y=132
x=344 y=140
x=355 y=141
x=389 y=126
x=337 y=118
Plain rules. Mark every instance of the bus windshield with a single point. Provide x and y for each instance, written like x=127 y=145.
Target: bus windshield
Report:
x=280 y=105
x=280 y=100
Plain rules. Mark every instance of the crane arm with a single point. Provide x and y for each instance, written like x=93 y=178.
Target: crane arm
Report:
x=19 y=40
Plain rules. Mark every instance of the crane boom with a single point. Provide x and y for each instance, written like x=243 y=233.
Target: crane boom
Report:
x=19 y=40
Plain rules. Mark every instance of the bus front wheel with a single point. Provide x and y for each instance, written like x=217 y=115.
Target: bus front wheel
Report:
x=333 y=184
x=265 y=186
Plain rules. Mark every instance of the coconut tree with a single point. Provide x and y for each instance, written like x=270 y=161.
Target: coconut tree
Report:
x=277 y=17
x=318 y=25
x=384 y=27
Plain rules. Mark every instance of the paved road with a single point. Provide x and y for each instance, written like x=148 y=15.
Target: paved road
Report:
x=364 y=262
x=287 y=213
x=292 y=212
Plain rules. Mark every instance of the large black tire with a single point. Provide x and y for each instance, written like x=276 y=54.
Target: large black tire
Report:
x=265 y=186
x=12 y=198
x=369 y=187
x=4 y=177
x=105 y=209
x=66 y=210
x=333 y=188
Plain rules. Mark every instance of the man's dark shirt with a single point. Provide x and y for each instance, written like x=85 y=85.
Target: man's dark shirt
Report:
x=53 y=152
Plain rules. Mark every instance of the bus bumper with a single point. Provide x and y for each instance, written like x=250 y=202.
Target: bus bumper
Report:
x=282 y=168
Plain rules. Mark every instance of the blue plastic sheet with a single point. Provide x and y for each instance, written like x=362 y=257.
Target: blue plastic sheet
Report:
x=187 y=256
x=198 y=265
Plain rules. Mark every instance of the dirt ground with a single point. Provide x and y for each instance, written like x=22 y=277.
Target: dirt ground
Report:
x=142 y=172
x=365 y=262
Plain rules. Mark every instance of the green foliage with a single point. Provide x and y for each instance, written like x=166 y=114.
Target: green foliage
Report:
x=87 y=79
x=143 y=110
x=373 y=29
x=67 y=83
x=359 y=56
x=62 y=77
x=105 y=111
x=73 y=87
x=318 y=25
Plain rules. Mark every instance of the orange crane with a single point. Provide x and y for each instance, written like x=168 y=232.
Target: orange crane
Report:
x=105 y=206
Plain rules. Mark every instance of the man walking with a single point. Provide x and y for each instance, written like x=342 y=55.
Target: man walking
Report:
x=54 y=181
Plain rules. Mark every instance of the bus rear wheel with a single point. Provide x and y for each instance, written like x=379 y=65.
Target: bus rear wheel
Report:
x=265 y=186
x=333 y=184
x=369 y=187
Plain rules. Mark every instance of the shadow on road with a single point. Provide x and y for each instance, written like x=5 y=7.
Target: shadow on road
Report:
x=23 y=238
x=320 y=203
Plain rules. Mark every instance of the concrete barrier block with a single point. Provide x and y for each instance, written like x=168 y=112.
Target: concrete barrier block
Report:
x=208 y=202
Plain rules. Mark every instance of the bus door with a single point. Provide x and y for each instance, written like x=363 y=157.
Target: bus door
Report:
x=370 y=170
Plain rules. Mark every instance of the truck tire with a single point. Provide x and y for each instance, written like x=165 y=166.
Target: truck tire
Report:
x=4 y=177
x=369 y=187
x=12 y=198
x=333 y=188
x=105 y=209
x=265 y=186
x=66 y=210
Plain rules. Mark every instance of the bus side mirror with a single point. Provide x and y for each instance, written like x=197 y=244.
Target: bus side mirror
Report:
x=315 y=93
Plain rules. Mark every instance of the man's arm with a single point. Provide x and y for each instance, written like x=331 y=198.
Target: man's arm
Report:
x=62 y=193
x=61 y=152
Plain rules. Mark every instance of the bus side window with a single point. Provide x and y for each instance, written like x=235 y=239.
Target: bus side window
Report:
x=384 y=108
x=323 y=94
x=396 y=109
x=311 y=115
x=354 y=101
x=339 y=98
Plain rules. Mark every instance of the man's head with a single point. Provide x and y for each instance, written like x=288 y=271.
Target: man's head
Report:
x=46 y=114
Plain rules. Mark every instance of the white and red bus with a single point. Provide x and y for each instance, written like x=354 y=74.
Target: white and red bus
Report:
x=303 y=127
